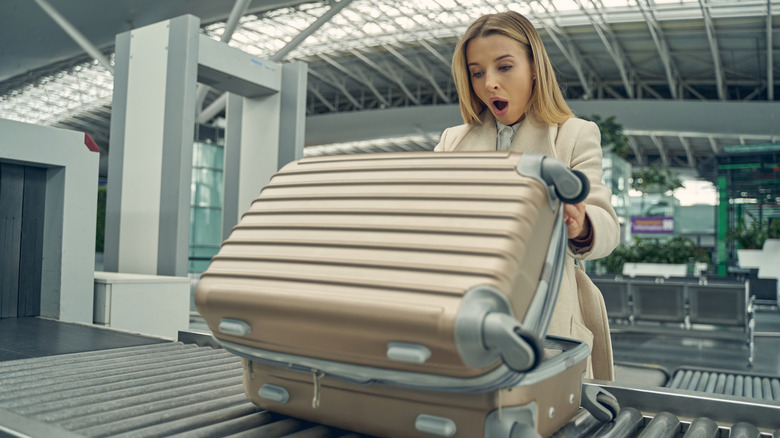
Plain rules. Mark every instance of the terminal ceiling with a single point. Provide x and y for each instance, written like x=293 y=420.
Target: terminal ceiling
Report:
x=687 y=79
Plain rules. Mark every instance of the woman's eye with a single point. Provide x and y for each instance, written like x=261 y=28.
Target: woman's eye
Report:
x=477 y=75
x=504 y=67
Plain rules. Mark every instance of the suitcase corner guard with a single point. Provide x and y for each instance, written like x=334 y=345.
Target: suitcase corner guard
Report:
x=486 y=330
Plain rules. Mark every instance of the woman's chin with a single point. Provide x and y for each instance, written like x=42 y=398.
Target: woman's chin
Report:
x=509 y=119
x=506 y=119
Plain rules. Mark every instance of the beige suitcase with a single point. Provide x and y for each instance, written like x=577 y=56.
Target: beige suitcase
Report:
x=403 y=294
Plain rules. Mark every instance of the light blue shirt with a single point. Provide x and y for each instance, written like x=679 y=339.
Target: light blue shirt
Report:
x=503 y=141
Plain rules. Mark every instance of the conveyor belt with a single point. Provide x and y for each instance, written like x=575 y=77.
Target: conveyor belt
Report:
x=174 y=389
x=716 y=382
x=673 y=413
x=167 y=389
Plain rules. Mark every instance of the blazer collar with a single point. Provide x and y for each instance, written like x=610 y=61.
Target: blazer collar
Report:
x=533 y=136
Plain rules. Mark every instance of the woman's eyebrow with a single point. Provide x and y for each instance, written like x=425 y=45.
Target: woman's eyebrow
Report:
x=495 y=60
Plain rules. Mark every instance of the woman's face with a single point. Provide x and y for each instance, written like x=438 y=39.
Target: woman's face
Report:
x=501 y=74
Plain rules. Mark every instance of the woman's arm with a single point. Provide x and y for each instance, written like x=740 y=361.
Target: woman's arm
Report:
x=604 y=233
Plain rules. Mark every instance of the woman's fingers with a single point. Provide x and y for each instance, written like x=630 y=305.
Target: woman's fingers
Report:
x=574 y=217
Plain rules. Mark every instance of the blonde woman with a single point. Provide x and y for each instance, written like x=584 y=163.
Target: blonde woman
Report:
x=510 y=100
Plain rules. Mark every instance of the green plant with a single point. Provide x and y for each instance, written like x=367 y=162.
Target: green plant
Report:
x=753 y=235
x=676 y=250
x=774 y=229
x=612 y=137
x=655 y=177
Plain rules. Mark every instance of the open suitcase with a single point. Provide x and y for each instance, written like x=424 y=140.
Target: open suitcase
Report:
x=404 y=294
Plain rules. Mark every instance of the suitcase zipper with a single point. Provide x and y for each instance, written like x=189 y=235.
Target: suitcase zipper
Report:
x=316 y=375
x=501 y=377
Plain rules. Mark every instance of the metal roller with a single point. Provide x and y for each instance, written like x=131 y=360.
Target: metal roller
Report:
x=626 y=424
x=663 y=425
x=583 y=424
x=702 y=427
x=744 y=430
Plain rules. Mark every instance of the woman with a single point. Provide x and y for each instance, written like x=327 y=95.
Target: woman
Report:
x=510 y=100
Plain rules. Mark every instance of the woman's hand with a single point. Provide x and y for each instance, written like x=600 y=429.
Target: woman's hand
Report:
x=576 y=224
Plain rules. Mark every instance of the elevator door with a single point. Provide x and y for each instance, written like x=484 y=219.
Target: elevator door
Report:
x=22 y=201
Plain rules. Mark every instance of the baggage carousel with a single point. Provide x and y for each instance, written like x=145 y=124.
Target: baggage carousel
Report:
x=184 y=390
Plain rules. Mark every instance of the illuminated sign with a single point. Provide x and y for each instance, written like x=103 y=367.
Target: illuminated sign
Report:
x=652 y=225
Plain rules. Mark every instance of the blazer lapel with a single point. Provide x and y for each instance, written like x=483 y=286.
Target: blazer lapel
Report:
x=534 y=136
x=480 y=137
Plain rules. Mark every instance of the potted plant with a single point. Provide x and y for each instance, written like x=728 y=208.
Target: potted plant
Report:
x=678 y=250
x=750 y=238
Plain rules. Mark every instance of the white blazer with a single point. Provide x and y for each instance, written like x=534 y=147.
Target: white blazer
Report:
x=579 y=312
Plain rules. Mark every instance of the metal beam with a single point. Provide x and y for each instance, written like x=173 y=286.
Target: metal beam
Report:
x=295 y=42
x=238 y=11
x=640 y=159
x=613 y=48
x=436 y=54
x=384 y=73
x=74 y=33
x=661 y=149
x=688 y=151
x=713 y=145
x=696 y=134
x=719 y=80
x=643 y=86
x=212 y=110
x=339 y=86
x=663 y=48
x=419 y=71
x=694 y=92
x=322 y=98
x=753 y=94
x=690 y=118
x=566 y=46
x=356 y=76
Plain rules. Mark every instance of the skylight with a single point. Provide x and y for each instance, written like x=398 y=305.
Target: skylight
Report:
x=363 y=24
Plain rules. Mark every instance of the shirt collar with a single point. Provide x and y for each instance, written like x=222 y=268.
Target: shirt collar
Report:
x=515 y=127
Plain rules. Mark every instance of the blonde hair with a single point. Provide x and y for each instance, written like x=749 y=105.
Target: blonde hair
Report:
x=546 y=104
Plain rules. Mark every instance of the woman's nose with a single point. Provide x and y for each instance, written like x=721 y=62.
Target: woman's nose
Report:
x=491 y=81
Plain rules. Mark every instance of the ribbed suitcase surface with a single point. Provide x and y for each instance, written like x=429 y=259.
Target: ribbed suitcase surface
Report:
x=340 y=256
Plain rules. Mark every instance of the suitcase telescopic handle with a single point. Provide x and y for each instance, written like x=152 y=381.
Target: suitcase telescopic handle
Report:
x=502 y=334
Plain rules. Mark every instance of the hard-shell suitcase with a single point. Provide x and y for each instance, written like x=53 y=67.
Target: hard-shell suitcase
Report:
x=384 y=279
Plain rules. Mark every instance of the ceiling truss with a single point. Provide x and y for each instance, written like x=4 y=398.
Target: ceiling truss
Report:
x=382 y=54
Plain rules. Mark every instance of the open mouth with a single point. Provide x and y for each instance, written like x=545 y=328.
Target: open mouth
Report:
x=499 y=104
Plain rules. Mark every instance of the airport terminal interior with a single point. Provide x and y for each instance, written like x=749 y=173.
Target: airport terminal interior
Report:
x=135 y=135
